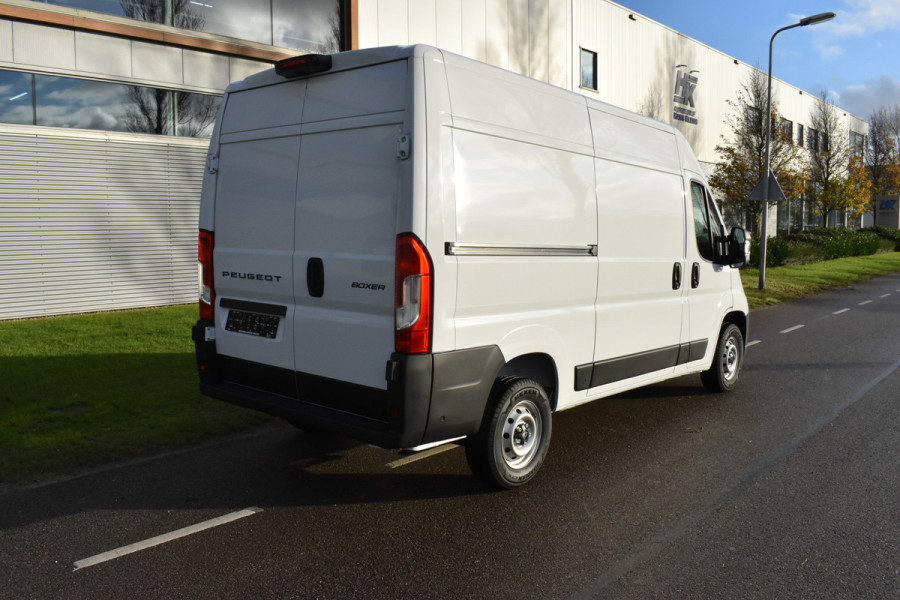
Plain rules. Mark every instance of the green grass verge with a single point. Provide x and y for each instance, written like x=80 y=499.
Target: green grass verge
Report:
x=89 y=389
x=799 y=281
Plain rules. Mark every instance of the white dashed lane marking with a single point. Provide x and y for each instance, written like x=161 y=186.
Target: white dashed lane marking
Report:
x=753 y=343
x=864 y=302
x=843 y=310
x=166 y=537
x=790 y=329
x=884 y=295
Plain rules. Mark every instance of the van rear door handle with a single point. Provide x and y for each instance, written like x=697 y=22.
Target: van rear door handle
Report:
x=676 y=276
x=695 y=275
x=315 y=277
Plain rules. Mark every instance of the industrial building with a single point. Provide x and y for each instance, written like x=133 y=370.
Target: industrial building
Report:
x=106 y=107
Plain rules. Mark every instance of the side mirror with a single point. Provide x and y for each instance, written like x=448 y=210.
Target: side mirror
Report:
x=738 y=253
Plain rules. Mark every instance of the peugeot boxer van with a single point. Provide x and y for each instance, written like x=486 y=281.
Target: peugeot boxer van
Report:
x=406 y=246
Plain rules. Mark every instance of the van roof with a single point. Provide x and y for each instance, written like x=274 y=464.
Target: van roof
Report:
x=352 y=59
x=340 y=61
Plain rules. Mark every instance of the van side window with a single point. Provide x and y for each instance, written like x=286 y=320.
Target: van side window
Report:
x=707 y=226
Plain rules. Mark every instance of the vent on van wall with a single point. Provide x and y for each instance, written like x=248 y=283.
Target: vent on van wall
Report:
x=306 y=64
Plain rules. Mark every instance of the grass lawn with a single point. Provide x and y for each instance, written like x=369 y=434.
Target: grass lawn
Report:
x=89 y=389
x=798 y=281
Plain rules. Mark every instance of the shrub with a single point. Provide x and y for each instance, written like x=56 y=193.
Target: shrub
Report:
x=815 y=245
x=892 y=236
x=838 y=243
x=777 y=252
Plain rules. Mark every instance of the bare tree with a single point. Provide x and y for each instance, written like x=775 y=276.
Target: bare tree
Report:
x=196 y=113
x=148 y=111
x=163 y=112
x=742 y=160
x=155 y=11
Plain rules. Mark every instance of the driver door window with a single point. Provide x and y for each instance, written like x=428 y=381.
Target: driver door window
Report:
x=707 y=226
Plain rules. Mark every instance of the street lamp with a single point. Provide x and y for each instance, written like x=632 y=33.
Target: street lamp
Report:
x=764 y=217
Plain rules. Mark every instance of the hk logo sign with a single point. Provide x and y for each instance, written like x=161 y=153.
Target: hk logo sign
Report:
x=888 y=205
x=685 y=85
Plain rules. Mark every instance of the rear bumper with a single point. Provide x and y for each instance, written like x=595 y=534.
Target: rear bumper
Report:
x=429 y=397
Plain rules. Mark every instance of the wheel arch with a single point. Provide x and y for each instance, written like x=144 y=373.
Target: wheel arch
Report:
x=738 y=318
x=537 y=366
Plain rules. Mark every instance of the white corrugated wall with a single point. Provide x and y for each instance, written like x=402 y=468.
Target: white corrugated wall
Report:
x=96 y=221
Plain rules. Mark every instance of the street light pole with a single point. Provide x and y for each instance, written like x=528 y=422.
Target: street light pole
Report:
x=764 y=215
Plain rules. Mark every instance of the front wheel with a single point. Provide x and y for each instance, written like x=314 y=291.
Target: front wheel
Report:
x=515 y=434
x=725 y=371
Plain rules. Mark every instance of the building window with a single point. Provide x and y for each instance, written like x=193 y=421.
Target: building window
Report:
x=588 y=69
x=754 y=118
x=787 y=130
x=49 y=101
x=799 y=135
x=857 y=143
x=813 y=140
x=16 y=98
x=310 y=25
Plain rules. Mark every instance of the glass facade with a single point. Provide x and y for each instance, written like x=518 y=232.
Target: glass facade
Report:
x=35 y=99
x=308 y=25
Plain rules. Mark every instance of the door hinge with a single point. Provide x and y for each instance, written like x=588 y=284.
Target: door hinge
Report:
x=212 y=163
x=404 y=141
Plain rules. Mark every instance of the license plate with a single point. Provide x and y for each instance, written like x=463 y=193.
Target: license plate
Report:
x=250 y=323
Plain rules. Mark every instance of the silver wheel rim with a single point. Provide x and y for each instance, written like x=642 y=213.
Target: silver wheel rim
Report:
x=730 y=359
x=521 y=434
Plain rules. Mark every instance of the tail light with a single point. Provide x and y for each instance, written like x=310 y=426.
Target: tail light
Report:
x=412 y=296
x=205 y=246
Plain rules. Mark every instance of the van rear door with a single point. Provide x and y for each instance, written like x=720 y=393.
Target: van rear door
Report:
x=352 y=174
x=258 y=153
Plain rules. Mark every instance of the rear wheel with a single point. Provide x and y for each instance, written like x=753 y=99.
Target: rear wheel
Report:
x=725 y=371
x=515 y=434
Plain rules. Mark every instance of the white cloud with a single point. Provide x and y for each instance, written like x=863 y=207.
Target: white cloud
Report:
x=864 y=16
x=862 y=100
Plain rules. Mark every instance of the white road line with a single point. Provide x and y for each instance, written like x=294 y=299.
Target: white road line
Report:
x=790 y=329
x=753 y=343
x=884 y=295
x=166 y=537
x=864 y=302
x=420 y=455
x=843 y=310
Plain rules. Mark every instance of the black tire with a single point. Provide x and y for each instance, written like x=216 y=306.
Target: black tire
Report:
x=515 y=434
x=728 y=361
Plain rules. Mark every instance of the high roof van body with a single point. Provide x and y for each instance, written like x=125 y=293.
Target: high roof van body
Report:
x=406 y=246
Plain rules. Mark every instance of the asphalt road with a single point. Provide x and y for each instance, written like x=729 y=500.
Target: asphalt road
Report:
x=787 y=488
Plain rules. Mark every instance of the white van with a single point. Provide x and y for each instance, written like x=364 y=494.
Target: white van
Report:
x=406 y=246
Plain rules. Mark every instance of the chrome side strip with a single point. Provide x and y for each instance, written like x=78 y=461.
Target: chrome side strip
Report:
x=456 y=249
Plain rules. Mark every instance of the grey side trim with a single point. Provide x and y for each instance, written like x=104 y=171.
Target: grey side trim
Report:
x=624 y=367
x=458 y=249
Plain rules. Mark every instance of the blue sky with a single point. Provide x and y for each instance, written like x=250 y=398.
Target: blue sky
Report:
x=855 y=57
